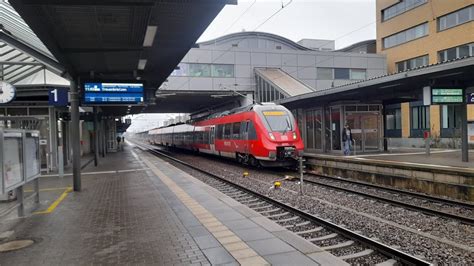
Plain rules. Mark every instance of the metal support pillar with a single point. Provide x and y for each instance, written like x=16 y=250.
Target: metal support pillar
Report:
x=301 y=166
x=53 y=138
x=464 y=134
x=75 y=138
x=36 y=186
x=96 y=138
x=20 y=199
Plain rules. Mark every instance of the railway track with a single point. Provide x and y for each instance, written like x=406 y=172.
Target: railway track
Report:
x=342 y=242
x=337 y=186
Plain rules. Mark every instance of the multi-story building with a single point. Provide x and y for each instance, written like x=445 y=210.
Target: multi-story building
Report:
x=415 y=33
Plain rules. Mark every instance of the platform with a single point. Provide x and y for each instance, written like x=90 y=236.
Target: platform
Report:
x=442 y=173
x=138 y=209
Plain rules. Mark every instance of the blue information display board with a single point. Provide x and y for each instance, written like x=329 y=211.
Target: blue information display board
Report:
x=113 y=93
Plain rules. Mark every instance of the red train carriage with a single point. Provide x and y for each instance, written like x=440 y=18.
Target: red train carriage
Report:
x=264 y=135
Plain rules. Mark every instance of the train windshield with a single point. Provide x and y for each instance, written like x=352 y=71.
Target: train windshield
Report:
x=278 y=121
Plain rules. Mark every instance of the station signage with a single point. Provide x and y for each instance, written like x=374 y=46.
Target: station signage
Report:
x=58 y=97
x=470 y=98
x=447 y=96
x=113 y=93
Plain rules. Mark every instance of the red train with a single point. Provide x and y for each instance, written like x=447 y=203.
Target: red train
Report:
x=260 y=134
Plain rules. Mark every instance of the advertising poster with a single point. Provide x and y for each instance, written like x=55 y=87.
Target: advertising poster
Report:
x=470 y=133
x=12 y=165
x=32 y=157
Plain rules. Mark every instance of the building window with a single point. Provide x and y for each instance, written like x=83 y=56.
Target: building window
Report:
x=401 y=7
x=199 y=70
x=420 y=117
x=451 y=116
x=412 y=63
x=341 y=73
x=406 y=36
x=456 y=52
x=324 y=73
x=223 y=71
x=456 y=18
x=393 y=119
x=181 y=70
x=358 y=74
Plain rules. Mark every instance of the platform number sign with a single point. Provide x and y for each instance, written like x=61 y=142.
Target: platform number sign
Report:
x=470 y=98
x=58 y=97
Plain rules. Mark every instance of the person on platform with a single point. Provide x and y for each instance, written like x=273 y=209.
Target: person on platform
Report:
x=347 y=139
x=118 y=143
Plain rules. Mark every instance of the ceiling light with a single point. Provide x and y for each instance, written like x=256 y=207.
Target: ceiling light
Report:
x=149 y=36
x=141 y=64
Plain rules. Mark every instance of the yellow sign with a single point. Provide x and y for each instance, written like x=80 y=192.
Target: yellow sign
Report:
x=274 y=113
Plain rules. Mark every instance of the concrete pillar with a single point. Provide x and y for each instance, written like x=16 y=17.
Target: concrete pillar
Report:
x=406 y=126
x=247 y=100
x=435 y=121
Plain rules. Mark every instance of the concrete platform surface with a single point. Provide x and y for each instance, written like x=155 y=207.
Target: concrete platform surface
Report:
x=138 y=209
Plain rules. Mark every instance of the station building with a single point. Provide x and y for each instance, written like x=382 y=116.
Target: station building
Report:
x=265 y=67
x=417 y=33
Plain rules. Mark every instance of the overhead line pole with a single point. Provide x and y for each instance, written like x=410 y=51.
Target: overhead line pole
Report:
x=76 y=142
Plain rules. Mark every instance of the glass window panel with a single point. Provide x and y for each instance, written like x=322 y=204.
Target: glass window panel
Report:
x=451 y=20
x=318 y=129
x=199 y=70
x=390 y=120
x=398 y=118
x=359 y=74
x=427 y=117
x=464 y=50
x=420 y=31
x=410 y=34
x=414 y=117
x=401 y=37
x=309 y=130
x=442 y=56
x=442 y=23
x=181 y=70
x=341 y=73
x=324 y=73
x=444 y=116
x=401 y=66
x=451 y=54
x=223 y=71
x=236 y=131
x=463 y=15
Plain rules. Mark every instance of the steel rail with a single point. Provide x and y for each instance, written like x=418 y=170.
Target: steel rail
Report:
x=463 y=219
x=382 y=248
x=396 y=190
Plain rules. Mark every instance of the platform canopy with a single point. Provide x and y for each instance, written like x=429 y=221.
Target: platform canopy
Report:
x=119 y=40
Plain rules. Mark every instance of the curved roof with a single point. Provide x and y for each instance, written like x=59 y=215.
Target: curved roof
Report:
x=356 y=45
x=247 y=34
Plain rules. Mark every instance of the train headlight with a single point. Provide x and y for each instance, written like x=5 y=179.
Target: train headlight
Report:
x=294 y=135
x=271 y=136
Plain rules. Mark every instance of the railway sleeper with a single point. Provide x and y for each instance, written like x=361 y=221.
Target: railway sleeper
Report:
x=278 y=215
x=389 y=262
x=316 y=229
x=288 y=219
x=363 y=253
x=253 y=206
x=251 y=201
x=297 y=225
x=333 y=235
x=271 y=210
x=340 y=245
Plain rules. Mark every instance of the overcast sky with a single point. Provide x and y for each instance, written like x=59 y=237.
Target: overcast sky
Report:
x=345 y=21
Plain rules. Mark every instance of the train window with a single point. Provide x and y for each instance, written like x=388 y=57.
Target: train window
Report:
x=219 y=132
x=227 y=129
x=205 y=137
x=243 y=130
x=251 y=131
x=236 y=130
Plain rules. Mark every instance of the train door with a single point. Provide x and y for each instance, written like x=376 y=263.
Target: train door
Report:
x=244 y=129
x=212 y=137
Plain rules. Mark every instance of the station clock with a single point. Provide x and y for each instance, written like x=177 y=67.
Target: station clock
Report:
x=7 y=92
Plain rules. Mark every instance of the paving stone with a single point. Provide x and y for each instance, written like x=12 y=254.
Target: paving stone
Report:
x=269 y=246
x=250 y=234
x=207 y=242
x=218 y=255
x=289 y=258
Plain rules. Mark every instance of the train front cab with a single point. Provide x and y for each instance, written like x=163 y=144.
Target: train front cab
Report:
x=280 y=139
